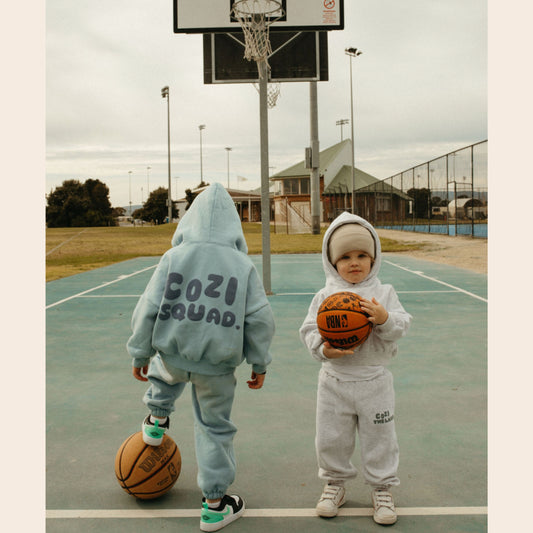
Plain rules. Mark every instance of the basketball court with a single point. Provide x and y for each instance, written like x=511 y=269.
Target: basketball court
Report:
x=94 y=404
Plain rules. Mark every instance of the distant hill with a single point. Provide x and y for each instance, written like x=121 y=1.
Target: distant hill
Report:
x=133 y=208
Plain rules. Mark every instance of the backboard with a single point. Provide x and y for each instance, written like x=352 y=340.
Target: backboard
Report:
x=213 y=16
x=297 y=56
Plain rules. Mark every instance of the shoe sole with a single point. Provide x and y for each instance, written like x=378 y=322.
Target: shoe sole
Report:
x=223 y=523
x=386 y=521
x=331 y=514
x=151 y=441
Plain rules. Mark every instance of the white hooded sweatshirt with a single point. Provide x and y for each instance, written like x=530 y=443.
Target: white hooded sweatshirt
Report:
x=381 y=345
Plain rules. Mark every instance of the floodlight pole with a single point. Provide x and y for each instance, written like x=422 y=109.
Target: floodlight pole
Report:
x=265 y=185
x=352 y=52
x=165 y=93
x=201 y=127
x=228 y=150
x=129 y=175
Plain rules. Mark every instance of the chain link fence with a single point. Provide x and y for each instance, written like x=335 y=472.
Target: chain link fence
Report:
x=447 y=195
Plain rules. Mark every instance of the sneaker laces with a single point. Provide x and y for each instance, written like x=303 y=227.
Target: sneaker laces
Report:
x=383 y=498
x=331 y=492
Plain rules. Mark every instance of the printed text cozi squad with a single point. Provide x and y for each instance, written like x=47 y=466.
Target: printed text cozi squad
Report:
x=215 y=288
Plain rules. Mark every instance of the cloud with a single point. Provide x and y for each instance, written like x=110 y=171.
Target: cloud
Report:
x=419 y=90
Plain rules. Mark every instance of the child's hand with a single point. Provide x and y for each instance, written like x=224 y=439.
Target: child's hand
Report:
x=140 y=373
x=257 y=381
x=377 y=313
x=335 y=353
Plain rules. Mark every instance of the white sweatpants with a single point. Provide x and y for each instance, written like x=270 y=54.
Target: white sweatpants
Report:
x=344 y=407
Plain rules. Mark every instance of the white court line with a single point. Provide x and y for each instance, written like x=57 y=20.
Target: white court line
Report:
x=120 y=278
x=422 y=275
x=65 y=242
x=96 y=296
x=418 y=273
x=398 y=292
x=255 y=513
x=111 y=296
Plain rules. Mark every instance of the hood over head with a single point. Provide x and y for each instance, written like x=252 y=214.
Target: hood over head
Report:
x=332 y=276
x=212 y=218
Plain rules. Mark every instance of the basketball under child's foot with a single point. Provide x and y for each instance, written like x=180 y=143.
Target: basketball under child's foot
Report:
x=230 y=508
x=384 y=510
x=153 y=431
x=333 y=496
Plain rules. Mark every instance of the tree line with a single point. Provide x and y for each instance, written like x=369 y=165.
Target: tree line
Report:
x=76 y=204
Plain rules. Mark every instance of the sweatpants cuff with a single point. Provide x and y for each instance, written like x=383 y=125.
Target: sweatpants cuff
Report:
x=214 y=495
x=160 y=412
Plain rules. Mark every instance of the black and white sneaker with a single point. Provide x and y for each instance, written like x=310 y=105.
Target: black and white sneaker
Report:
x=153 y=433
x=230 y=508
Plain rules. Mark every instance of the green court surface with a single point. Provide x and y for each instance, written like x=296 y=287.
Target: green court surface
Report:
x=94 y=404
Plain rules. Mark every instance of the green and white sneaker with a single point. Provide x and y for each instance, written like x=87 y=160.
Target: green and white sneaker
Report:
x=153 y=432
x=230 y=508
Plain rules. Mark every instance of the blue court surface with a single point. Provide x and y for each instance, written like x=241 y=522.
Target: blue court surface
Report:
x=93 y=404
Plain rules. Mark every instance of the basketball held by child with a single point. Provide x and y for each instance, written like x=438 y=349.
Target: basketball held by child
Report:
x=144 y=471
x=342 y=322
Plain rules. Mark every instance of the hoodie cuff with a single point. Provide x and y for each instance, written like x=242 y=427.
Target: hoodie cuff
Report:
x=388 y=325
x=140 y=362
x=259 y=369
x=320 y=351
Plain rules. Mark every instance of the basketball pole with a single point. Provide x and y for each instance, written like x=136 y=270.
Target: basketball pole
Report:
x=315 y=159
x=265 y=185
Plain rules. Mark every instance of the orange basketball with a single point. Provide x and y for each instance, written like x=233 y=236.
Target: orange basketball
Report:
x=342 y=322
x=145 y=471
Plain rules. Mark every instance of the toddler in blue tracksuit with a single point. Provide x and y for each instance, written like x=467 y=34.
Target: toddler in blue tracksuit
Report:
x=202 y=314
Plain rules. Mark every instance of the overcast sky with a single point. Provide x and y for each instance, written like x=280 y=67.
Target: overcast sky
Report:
x=420 y=90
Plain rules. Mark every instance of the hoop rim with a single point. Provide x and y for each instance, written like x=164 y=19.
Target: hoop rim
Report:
x=238 y=12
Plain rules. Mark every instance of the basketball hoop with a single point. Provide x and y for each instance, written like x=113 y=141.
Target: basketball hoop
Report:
x=255 y=18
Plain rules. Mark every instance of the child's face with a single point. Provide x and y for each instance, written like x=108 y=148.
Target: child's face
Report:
x=354 y=266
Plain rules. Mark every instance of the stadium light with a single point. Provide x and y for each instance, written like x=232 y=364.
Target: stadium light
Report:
x=352 y=52
x=165 y=93
x=341 y=123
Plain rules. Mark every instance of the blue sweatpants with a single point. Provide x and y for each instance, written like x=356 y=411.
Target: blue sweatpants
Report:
x=212 y=399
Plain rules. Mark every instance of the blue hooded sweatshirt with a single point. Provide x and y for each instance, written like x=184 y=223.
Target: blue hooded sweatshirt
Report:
x=205 y=309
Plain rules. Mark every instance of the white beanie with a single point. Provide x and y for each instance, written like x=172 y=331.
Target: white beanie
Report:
x=350 y=237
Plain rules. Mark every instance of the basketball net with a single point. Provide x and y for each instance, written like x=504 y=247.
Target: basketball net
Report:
x=273 y=92
x=255 y=18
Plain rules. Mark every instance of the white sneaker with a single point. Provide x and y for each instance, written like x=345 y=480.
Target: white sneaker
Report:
x=153 y=433
x=384 y=510
x=332 y=498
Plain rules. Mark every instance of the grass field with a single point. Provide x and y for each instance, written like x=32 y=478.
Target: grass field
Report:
x=71 y=251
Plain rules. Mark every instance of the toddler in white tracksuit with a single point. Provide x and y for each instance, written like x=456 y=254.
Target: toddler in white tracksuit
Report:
x=355 y=389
